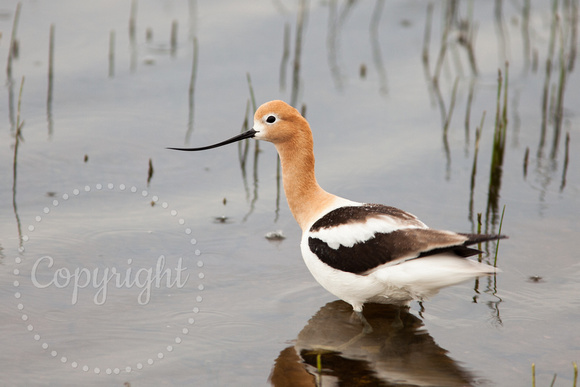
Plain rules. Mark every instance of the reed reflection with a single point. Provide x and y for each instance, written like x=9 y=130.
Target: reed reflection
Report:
x=49 y=118
x=191 y=91
x=560 y=59
x=133 y=36
x=17 y=139
x=376 y=47
x=301 y=20
x=249 y=118
x=456 y=32
x=12 y=53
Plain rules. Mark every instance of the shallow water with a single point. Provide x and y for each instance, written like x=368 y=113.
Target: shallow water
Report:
x=196 y=294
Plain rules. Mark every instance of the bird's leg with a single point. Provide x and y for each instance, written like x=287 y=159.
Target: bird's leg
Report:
x=365 y=331
x=397 y=323
x=367 y=328
x=421 y=309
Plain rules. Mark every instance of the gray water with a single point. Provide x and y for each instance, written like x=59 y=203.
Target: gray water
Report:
x=233 y=307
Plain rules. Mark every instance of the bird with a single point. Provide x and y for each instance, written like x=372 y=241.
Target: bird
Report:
x=360 y=252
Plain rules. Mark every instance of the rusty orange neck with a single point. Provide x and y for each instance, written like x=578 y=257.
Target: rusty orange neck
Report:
x=306 y=198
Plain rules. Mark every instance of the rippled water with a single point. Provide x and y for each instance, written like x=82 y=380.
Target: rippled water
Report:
x=116 y=271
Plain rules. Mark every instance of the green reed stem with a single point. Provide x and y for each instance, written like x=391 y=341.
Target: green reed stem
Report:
x=13 y=41
x=499 y=232
x=479 y=231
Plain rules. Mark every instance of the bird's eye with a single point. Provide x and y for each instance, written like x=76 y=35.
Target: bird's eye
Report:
x=271 y=119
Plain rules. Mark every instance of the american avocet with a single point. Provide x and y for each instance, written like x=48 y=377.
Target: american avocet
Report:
x=359 y=252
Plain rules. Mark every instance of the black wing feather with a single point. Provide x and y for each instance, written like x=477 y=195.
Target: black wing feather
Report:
x=401 y=244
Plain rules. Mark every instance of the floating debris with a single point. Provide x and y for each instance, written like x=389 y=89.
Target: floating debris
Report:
x=535 y=279
x=275 y=236
x=222 y=219
x=362 y=71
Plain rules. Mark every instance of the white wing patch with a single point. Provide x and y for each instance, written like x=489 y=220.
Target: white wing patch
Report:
x=349 y=234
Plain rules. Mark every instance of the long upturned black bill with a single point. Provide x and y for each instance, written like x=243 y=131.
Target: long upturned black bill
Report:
x=242 y=136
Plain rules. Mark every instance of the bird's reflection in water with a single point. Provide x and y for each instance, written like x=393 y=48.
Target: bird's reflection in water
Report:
x=332 y=350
